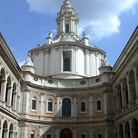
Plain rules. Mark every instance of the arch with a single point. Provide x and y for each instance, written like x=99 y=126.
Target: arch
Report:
x=121 y=134
x=66 y=133
x=132 y=85
x=66 y=107
x=135 y=128
x=5 y=128
x=11 y=131
x=127 y=130
x=2 y=77
x=125 y=91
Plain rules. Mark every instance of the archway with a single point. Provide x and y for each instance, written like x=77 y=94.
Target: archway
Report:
x=66 y=133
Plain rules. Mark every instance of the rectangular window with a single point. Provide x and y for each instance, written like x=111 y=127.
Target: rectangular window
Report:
x=33 y=104
x=50 y=105
x=66 y=60
x=83 y=107
x=82 y=136
x=67 y=28
x=99 y=106
x=48 y=136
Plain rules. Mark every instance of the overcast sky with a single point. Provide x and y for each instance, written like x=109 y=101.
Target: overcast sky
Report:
x=108 y=23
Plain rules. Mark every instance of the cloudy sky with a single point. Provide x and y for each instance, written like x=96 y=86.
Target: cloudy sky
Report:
x=108 y=23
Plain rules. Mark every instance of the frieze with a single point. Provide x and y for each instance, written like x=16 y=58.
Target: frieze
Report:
x=67 y=47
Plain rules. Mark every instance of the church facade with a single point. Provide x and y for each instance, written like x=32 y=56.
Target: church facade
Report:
x=66 y=87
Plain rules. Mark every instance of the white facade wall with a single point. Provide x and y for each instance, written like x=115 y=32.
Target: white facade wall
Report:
x=83 y=62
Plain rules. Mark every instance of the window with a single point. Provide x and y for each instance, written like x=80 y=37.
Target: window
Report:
x=33 y=103
x=99 y=135
x=66 y=107
x=83 y=106
x=32 y=134
x=67 y=28
x=48 y=136
x=49 y=103
x=83 y=136
x=66 y=60
x=66 y=64
x=99 y=105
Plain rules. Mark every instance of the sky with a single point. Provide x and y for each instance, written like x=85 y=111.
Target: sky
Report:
x=108 y=23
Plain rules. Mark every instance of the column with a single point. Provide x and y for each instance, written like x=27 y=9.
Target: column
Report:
x=74 y=133
x=105 y=103
x=91 y=133
x=40 y=132
x=74 y=105
x=42 y=105
x=14 y=100
x=131 y=133
x=87 y=68
x=76 y=59
x=57 y=133
x=57 y=60
x=9 y=95
x=17 y=105
x=122 y=94
x=58 y=107
x=90 y=106
x=129 y=98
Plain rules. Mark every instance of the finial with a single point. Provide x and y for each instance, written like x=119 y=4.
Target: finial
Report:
x=84 y=34
x=50 y=34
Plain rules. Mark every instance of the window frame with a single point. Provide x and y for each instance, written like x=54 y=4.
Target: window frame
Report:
x=33 y=107
x=67 y=28
x=47 y=109
x=83 y=111
x=97 y=105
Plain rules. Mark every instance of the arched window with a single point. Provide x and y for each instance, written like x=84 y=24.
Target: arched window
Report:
x=125 y=88
x=83 y=136
x=99 y=105
x=11 y=131
x=33 y=103
x=132 y=85
x=135 y=128
x=121 y=135
x=48 y=136
x=127 y=130
x=2 y=77
x=32 y=135
x=99 y=135
x=7 y=89
x=66 y=133
x=119 y=97
x=49 y=105
x=66 y=107
x=5 y=128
